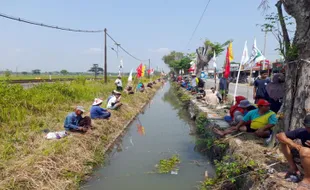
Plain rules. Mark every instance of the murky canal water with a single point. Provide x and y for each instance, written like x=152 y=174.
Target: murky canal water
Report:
x=167 y=132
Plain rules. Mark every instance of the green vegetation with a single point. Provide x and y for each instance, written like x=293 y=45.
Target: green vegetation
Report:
x=177 y=61
x=27 y=160
x=228 y=170
x=167 y=165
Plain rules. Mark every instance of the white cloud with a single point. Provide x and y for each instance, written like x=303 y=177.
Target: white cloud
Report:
x=160 y=50
x=93 y=51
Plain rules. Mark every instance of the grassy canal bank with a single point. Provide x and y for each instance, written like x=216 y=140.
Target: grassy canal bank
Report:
x=28 y=160
x=241 y=161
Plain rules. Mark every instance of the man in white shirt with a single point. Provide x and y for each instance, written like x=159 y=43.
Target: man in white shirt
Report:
x=115 y=101
x=119 y=84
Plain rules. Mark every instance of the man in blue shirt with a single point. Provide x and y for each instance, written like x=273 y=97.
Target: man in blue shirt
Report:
x=223 y=90
x=97 y=112
x=259 y=90
x=295 y=153
x=75 y=122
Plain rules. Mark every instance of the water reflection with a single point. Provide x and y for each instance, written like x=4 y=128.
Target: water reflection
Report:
x=167 y=134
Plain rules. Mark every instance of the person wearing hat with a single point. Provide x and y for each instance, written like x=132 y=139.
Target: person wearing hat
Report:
x=114 y=102
x=75 y=122
x=297 y=154
x=119 y=84
x=97 y=112
x=261 y=121
x=246 y=106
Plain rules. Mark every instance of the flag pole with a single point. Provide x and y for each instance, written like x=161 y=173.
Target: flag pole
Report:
x=251 y=71
x=215 y=78
x=236 y=86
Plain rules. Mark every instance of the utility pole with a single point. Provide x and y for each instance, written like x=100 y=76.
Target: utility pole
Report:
x=149 y=68
x=105 y=56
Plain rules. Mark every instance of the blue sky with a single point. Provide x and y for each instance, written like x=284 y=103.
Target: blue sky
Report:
x=147 y=29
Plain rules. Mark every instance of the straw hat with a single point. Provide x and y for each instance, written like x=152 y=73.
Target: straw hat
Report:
x=97 y=101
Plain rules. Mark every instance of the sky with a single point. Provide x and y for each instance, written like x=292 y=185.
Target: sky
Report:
x=146 y=29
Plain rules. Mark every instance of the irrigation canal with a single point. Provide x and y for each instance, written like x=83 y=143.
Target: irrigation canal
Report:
x=167 y=132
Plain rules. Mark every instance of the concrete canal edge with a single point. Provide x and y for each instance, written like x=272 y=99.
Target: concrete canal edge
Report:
x=241 y=161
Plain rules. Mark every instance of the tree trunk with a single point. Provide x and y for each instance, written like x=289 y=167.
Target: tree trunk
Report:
x=297 y=99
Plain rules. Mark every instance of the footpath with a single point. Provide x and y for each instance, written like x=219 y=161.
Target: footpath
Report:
x=242 y=161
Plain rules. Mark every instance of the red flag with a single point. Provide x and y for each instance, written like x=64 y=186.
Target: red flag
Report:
x=227 y=65
x=139 y=70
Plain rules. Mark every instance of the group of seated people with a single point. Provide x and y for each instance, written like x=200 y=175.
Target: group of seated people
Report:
x=247 y=117
x=260 y=120
x=75 y=122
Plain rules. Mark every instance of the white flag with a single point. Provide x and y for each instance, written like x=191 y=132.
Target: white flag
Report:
x=245 y=54
x=130 y=76
x=257 y=55
x=213 y=60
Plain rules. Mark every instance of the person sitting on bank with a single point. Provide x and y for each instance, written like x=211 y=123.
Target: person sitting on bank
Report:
x=149 y=85
x=229 y=118
x=262 y=120
x=218 y=95
x=211 y=98
x=119 y=84
x=75 y=122
x=201 y=94
x=140 y=87
x=129 y=90
x=294 y=152
x=97 y=112
x=115 y=102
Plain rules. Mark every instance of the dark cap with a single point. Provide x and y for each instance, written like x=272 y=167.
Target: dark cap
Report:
x=307 y=120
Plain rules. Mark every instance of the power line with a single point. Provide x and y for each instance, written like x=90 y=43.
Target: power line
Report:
x=47 y=25
x=198 y=24
x=125 y=50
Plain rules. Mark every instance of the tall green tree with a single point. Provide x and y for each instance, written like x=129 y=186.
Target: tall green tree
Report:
x=177 y=61
x=297 y=80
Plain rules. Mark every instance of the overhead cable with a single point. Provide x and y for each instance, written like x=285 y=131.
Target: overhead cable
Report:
x=47 y=25
x=198 y=24
x=125 y=50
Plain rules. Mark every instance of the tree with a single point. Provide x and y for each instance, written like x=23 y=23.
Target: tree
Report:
x=24 y=73
x=96 y=70
x=297 y=80
x=205 y=53
x=276 y=23
x=36 y=71
x=64 y=72
x=177 y=61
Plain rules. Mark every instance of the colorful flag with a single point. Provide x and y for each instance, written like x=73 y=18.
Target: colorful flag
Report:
x=143 y=70
x=229 y=58
x=150 y=71
x=139 y=71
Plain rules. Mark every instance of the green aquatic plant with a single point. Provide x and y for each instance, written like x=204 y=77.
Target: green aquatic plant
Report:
x=167 y=165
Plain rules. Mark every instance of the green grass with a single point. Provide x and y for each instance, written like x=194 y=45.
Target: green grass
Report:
x=29 y=161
